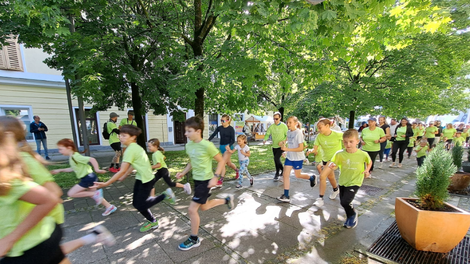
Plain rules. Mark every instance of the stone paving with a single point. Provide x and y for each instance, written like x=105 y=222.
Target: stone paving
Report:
x=258 y=230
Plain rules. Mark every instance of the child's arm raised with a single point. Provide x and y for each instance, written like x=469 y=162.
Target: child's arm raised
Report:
x=96 y=166
x=61 y=170
x=184 y=172
x=44 y=201
x=124 y=167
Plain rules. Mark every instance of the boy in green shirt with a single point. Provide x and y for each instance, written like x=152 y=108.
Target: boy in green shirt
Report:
x=201 y=152
x=354 y=165
x=144 y=179
x=421 y=152
x=114 y=142
x=278 y=132
x=458 y=139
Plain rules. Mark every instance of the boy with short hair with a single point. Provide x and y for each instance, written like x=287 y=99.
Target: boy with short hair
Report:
x=144 y=179
x=458 y=140
x=201 y=152
x=114 y=142
x=421 y=152
x=354 y=165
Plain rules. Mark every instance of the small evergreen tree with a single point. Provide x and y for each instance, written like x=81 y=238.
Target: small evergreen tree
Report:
x=433 y=178
x=457 y=155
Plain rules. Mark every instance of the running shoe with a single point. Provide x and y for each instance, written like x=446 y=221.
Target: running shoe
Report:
x=149 y=225
x=229 y=201
x=112 y=169
x=380 y=165
x=169 y=196
x=238 y=186
x=98 y=196
x=284 y=199
x=189 y=244
x=276 y=177
x=399 y=165
x=187 y=188
x=314 y=181
x=334 y=194
x=319 y=202
x=352 y=221
x=103 y=235
x=219 y=183
x=393 y=165
x=237 y=174
x=109 y=210
x=251 y=182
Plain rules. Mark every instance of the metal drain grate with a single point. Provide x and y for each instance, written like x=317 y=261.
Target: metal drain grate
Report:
x=393 y=247
x=369 y=190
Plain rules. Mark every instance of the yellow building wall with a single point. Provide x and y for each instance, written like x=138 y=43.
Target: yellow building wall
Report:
x=34 y=58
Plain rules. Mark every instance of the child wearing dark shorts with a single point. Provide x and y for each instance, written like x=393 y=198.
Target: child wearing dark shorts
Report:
x=201 y=152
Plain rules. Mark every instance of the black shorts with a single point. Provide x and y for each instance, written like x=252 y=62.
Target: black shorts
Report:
x=47 y=252
x=201 y=191
x=116 y=146
x=88 y=180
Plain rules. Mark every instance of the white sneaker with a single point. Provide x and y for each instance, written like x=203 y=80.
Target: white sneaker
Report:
x=98 y=196
x=187 y=188
x=319 y=202
x=334 y=194
x=392 y=165
x=103 y=235
x=380 y=165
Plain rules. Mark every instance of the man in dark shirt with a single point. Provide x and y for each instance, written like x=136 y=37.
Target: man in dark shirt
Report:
x=39 y=130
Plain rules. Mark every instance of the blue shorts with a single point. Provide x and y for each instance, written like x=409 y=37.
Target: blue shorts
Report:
x=88 y=180
x=222 y=148
x=296 y=164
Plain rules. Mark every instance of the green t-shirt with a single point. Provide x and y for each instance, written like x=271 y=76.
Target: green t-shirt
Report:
x=14 y=211
x=458 y=141
x=41 y=175
x=429 y=132
x=330 y=144
x=136 y=156
x=319 y=156
x=113 y=137
x=449 y=132
x=401 y=131
x=389 y=144
x=420 y=132
x=369 y=136
x=80 y=165
x=464 y=134
x=412 y=142
x=421 y=151
x=157 y=157
x=277 y=132
x=416 y=132
x=126 y=121
x=351 y=166
x=201 y=155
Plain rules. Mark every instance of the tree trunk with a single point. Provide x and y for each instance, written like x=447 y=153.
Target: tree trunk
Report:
x=281 y=110
x=137 y=107
x=351 y=119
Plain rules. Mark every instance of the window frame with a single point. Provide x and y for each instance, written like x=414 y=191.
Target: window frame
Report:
x=19 y=107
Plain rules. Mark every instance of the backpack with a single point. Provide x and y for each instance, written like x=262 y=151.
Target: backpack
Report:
x=105 y=131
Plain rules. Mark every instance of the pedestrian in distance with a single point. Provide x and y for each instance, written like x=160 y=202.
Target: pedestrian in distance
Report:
x=386 y=128
x=430 y=134
x=294 y=158
x=354 y=164
x=201 y=152
x=278 y=133
x=160 y=169
x=136 y=157
x=243 y=159
x=403 y=132
x=371 y=137
x=39 y=129
x=330 y=142
x=421 y=150
x=84 y=172
x=114 y=142
x=227 y=139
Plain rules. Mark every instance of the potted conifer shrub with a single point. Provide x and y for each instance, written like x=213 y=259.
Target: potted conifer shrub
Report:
x=428 y=223
x=460 y=180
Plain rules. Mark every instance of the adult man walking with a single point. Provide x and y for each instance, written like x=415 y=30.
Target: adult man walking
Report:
x=278 y=132
x=39 y=130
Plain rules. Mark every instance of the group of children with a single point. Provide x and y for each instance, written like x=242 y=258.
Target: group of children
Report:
x=338 y=151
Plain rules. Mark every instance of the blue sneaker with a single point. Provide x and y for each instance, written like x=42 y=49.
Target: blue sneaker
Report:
x=189 y=244
x=352 y=221
x=229 y=201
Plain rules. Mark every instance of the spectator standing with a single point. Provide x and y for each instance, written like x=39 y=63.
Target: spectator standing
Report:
x=39 y=130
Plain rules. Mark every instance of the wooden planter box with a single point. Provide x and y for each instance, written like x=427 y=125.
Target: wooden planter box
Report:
x=431 y=230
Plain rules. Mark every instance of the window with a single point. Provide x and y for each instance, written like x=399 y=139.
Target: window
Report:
x=91 y=126
x=10 y=56
x=23 y=113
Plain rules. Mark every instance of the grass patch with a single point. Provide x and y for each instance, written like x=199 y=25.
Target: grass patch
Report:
x=261 y=161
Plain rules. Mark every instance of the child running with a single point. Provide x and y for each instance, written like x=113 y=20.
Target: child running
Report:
x=295 y=157
x=29 y=233
x=201 y=152
x=330 y=141
x=421 y=152
x=84 y=172
x=160 y=169
x=388 y=149
x=458 y=139
x=136 y=157
x=243 y=159
x=354 y=164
